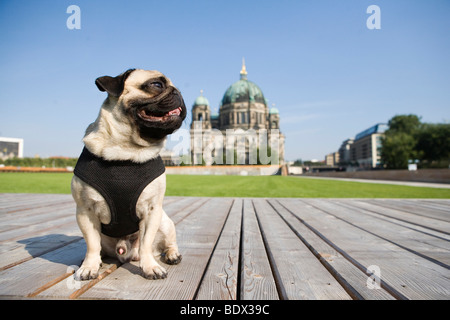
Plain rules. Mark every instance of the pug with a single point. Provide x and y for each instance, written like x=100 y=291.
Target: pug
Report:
x=119 y=180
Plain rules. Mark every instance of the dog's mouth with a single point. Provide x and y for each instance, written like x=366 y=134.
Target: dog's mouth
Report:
x=158 y=117
x=147 y=115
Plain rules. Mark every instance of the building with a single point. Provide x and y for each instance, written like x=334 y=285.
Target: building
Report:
x=11 y=148
x=366 y=148
x=344 y=152
x=235 y=134
x=332 y=159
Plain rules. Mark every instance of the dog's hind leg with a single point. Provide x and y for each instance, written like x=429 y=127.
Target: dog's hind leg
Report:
x=169 y=241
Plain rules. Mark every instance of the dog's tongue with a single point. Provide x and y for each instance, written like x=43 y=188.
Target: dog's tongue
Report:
x=176 y=111
x=144 y=115
x=121 y=251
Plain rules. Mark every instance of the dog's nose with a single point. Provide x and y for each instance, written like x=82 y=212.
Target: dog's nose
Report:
x=172 y=100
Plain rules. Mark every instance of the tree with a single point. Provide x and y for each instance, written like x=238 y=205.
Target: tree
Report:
x=433 y=142
x=409 y=139
x=397 y=149
x=408 y=124
x=399 y=142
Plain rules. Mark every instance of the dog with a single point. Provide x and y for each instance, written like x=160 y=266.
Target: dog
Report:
x=119 y=180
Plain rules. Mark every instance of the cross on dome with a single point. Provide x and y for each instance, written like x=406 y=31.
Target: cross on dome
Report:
x=243 y=70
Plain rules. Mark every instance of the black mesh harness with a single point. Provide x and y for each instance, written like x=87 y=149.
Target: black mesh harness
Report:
x=120 y=183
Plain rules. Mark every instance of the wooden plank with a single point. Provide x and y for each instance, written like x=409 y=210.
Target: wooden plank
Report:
x=299 y=273
x=349 y=276
x=38 y=229
x=257 y=281
x=15 y=253
x=407 y=206
x=15 y=199
x=71 y=288
x=24 y=223
x=443 y=207
x=345 y=235
x=197 y=236
x=28 y=277
x=425 y=224
x=221 y=279
x=41 y=211
x=187 y=209
x=441 y=202
x=34 y=236
x=179 y=206
x=37 y=220
x=36 y=212
x=404 y=274
x=427 y=246
x=24 y=202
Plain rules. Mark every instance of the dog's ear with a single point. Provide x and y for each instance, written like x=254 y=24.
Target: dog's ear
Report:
x=114 y=86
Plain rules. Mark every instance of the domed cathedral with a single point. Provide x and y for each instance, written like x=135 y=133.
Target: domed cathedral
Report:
x=244 y=107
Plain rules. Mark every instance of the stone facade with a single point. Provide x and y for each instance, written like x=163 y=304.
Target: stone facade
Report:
x=234 y=134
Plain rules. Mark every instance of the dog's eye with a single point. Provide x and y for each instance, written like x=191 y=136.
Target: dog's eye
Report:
x=157 y=84
x=153 y=84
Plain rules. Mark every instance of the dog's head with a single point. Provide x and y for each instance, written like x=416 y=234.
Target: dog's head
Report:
x=148 y=99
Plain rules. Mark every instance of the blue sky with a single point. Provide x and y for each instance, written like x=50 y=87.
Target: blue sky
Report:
x=328 y=74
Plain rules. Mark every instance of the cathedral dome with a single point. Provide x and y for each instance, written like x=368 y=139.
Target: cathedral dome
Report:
x=243 y=91
x=274 y=110
x=201 y=100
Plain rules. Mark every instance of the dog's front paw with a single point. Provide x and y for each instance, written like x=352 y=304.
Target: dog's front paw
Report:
x=86 y=272
x=89 y=268
x=154 y=272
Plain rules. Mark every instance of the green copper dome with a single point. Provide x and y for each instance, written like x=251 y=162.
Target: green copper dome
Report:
x=243 y=91
x=201 y=101
x=274 y=110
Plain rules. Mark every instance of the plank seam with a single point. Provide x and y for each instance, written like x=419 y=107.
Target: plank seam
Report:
x=212 y=253
x=93 y=282
x=406 y=210
x=405 y=221
x=383 y=283
x=50 y=219
x=57 y=204
x=282 y=294
x=354 y=294
x=439 y=263
x=38 y=255
x=239 y=281
x=49 y=284
x=189 y=213
x=40 y=231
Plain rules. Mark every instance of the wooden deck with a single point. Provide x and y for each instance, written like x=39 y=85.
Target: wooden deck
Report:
x=244 y=249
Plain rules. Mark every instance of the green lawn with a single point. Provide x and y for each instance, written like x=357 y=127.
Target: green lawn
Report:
x=17 y=182
x=234 y=186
